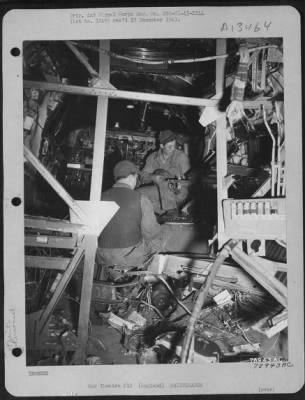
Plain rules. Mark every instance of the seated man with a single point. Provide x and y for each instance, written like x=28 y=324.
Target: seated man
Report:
x=167 y=162
x=133 y=233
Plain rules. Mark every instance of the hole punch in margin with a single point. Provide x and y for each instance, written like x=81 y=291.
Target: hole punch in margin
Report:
x=15 y=52
x=17 y=351
x=16 y=201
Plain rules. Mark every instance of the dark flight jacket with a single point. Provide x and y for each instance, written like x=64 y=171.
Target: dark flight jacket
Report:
x=124 y=229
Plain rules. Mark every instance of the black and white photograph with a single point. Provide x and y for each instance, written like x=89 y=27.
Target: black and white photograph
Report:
x=155 y=202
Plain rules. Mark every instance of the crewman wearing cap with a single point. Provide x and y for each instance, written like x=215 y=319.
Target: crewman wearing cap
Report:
x=167 y=162
x=133 y=233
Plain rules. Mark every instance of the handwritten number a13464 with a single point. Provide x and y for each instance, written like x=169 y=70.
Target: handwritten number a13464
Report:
x=242 y=27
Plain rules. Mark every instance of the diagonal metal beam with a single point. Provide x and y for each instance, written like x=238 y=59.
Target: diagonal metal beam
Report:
x=139 y=96
x=82 y=58
x=65 y=279
x=262 y=274
x=59 y=189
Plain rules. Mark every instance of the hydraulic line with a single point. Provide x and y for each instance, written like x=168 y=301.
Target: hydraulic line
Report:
x=153 y=308
x=273 y=163
x=173 y=294
x=223 y=254
x=164 y=61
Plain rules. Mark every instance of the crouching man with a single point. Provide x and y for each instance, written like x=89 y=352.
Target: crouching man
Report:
x=133 y=233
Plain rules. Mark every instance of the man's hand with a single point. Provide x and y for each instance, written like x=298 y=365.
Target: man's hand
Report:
x=159 y=176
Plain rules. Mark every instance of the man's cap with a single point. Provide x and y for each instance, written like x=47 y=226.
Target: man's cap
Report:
x=167 y=136
x=124 y=168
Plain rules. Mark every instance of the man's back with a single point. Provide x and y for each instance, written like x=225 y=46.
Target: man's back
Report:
x=124 y=229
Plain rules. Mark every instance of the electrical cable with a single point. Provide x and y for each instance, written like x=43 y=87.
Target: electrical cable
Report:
x=162 y=62
x=153 y=308
x=203 y=293
x=173 y=294
x=245 y=336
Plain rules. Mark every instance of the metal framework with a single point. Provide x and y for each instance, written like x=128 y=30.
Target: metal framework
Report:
x=44 y=237
x=108 y=92
x=139 y=96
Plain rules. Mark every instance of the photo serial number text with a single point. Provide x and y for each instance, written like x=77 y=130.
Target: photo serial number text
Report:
x=122 y=17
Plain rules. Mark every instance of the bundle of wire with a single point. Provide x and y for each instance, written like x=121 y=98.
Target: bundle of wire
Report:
x=255 y=305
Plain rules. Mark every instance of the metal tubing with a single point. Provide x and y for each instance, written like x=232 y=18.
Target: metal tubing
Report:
x=223 y=254
x=81 y=58
x=273 y=152
x=173 y=294
x=279 y=168
x=168 y=61
x=279 y=148
x=153 y=308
